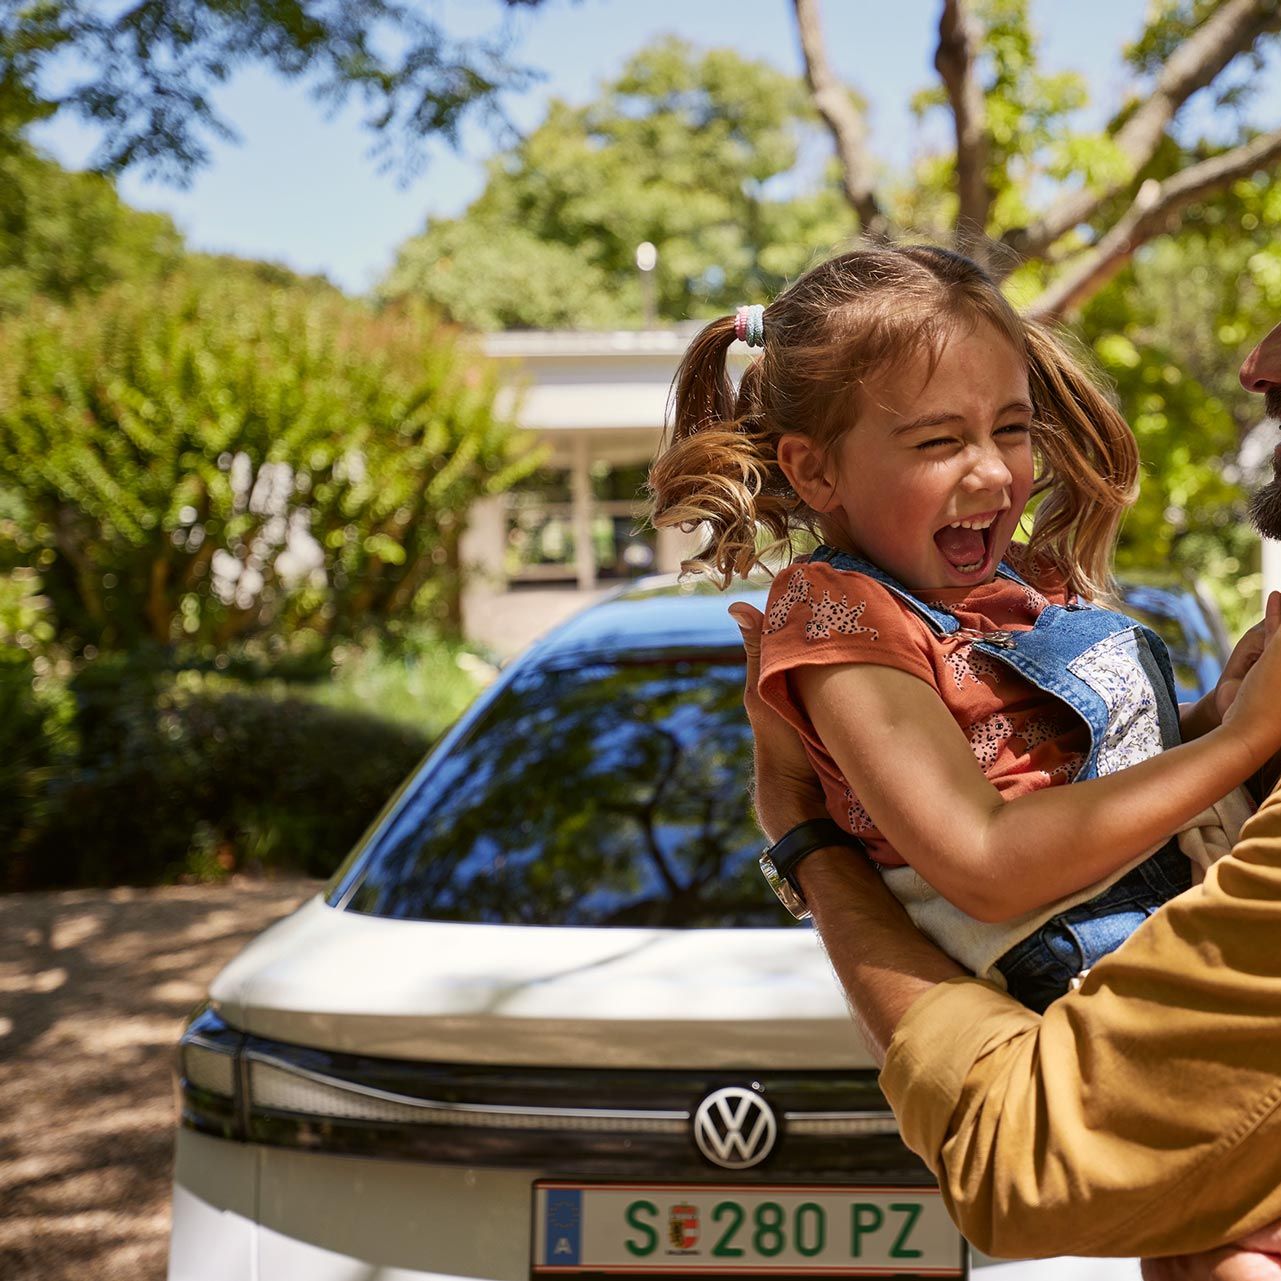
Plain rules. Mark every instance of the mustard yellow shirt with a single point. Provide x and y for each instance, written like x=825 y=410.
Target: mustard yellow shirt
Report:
x=1140 y=1115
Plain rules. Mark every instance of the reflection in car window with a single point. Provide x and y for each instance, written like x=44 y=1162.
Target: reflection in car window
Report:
x=613 y=794
x=1177 y=619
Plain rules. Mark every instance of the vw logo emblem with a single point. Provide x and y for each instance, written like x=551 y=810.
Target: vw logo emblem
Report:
x=735 y=1128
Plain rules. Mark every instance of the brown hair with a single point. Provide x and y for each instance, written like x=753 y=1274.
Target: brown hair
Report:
x=839 y=325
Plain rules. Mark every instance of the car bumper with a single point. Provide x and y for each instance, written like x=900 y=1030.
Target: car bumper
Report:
x=243 y=1211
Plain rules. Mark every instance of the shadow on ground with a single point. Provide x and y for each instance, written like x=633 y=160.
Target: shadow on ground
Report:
x=94 y=988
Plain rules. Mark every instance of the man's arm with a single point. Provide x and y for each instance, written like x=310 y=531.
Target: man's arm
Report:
x=1141 y=1116
x=881 y=960
x=1142 y=1113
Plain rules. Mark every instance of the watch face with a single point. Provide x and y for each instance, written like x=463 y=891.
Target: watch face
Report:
x=782 y=887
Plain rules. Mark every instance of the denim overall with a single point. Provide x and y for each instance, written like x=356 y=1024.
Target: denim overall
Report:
x=1115 y=674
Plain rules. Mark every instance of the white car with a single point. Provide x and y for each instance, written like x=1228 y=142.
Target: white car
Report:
x=548 y=1020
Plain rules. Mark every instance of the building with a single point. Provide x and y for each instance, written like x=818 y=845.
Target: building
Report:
x=597 y=401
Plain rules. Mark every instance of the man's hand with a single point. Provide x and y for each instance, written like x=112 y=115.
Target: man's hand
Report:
x=1245 y=655
x=1254 y=1258
x=787 y=790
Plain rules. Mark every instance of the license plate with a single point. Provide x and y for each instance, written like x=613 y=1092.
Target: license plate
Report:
x=683 y=1228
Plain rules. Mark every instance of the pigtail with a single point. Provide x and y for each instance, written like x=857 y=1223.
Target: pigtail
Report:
x=1091 y=464
x=717 y=467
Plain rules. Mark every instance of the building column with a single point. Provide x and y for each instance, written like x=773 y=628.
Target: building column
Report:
x=580 y=485
x=672 y=546
x=1271 y=567
x=484 y=543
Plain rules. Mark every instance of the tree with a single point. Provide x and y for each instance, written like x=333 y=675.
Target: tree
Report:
x=1171 y=330
x=62 y=233
x=1110 y=192
x=1159 y=241
x=217 y=458
x=687 y=150
x=144 y=71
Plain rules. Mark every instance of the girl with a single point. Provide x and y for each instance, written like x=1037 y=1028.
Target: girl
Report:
x=944 y=682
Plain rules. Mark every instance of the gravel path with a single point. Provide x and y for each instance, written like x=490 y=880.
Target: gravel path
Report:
x=94 y=988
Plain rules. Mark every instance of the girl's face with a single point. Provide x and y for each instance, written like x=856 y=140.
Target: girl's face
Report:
x=932 y=480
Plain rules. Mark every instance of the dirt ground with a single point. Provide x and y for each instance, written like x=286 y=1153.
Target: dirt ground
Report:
x=94 y=988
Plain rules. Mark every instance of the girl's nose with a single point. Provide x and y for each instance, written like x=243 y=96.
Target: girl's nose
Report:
x=989 y=472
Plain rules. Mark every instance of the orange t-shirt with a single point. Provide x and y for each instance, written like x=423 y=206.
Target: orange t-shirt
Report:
x=1023 y=738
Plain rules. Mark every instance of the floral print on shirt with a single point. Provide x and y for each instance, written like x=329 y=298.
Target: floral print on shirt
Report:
x=827 y=616
x=1112 y=670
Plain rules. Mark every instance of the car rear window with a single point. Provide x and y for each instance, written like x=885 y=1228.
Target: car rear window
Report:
x=610 y=794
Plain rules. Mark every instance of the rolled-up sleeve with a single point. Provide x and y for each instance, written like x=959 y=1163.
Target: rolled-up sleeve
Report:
x=1140 y=1115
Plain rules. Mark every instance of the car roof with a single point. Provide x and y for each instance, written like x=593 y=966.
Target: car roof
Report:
x=662 y=617
x=655 y=614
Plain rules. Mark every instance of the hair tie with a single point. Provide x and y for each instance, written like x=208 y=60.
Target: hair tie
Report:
x=749 y=325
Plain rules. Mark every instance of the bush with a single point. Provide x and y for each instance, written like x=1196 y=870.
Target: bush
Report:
x=423 y=680
x=35 y=742
x=182 y=783
x=217 y=461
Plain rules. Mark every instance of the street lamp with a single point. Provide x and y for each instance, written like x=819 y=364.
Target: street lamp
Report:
x=646 y=261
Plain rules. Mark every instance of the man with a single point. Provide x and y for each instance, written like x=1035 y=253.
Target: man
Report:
x=1261 y=373
x=1141 y=1114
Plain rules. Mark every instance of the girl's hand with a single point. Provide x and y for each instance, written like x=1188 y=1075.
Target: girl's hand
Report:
x=1253 y=701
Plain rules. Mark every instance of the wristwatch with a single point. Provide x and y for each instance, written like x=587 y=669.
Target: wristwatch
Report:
x=780 y=860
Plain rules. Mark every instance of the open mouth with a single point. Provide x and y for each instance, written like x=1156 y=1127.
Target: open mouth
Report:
x=966 y=544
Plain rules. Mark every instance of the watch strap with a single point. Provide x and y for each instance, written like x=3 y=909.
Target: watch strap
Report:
x=780 y=860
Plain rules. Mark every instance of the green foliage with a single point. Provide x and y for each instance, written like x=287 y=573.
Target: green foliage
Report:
x=1171 y=331
x=64 y=233
x=187 y=782
x=697 y=153
x=37 y=734
x=144 y=72
x=37 y=741
x=127 y=774
x=1034 y=144
x=1170 y=23
x=421 y=681
x=1190 y=511
x=216 y=460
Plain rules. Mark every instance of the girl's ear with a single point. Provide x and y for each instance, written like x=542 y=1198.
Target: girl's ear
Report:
x=809 y=471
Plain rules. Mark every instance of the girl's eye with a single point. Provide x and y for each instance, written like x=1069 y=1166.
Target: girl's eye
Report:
x=1011 y=430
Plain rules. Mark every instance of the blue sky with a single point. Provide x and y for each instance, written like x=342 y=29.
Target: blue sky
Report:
x=302 y=189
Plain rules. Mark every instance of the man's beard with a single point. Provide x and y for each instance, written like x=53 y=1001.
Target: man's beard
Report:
x=1265 y=504
x=1265 y=509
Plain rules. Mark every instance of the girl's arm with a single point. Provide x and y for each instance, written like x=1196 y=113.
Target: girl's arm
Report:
x=915 y=774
